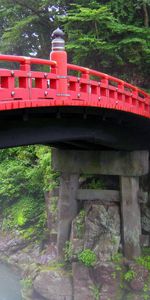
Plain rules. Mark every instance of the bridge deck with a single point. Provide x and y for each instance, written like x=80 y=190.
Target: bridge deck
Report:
x=24 y=88
x=100 y=110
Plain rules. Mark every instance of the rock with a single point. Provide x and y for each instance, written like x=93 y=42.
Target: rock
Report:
x=20 y=258
x=109 y=292
x=133 y=296
x=77 y=241
x=49 y=254
x=29 y=271
x=141 y=274
x=102 y=230
x=12 y=245
x=82 y=282
x=103 y=274
x=139 y=270
x=145 y=218
x=54 y=285
x=137 y=284
x=110 y=286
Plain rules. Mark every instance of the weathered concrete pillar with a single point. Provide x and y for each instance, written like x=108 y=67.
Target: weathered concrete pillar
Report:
x=130 y=215
x=67 y=208
x=128 y=165
x=51 y=197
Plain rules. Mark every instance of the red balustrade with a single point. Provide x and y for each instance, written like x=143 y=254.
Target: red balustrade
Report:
x=25 y=87
x=107 y=91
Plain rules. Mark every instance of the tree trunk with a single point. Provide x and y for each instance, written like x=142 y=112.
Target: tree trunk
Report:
x=146 y=16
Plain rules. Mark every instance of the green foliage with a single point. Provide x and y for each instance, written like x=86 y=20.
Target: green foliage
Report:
x=87 y=257
x=99 y=37
x=26 y=26
x=144 y=261
x=95 y=292
x=68 y=251
x=117 y=258
x=146 y=288
x=114 y=275
x=53 y=205
x=95 y=184
x=25 y=176
x=146 y=251
x=26 y=283
x=27 y=216
x=80 y=224
x=25 y=171
x=129 y=275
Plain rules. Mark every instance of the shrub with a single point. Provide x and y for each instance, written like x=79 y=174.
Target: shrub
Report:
x=80 y=224
x=144 y=261
x=68 y=251
x=87 y=257
x=129 y=275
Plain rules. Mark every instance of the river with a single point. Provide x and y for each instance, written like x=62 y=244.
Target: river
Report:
x=9 y=284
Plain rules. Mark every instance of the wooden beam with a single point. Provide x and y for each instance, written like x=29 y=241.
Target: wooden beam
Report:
x=67 y=209
x=106 y=196
x=130 y=216
x=100 y=195
x=124 y=163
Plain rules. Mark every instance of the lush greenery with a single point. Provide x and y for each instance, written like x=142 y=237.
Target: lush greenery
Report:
x=25 y=175
x=144 y=261
x=68 y=252
x=87 y=257
x=80 y=224
x=110 y=35
x=95 y=290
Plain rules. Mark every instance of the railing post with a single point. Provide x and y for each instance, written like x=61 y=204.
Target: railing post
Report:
x=59 y=55
x=26 y=65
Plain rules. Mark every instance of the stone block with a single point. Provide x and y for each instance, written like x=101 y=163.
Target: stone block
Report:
x=100 y=195
x=82 y=282
x=131 y=217
x=67 y=209
x=54 y=285
x=102 y=230
x=126 y=163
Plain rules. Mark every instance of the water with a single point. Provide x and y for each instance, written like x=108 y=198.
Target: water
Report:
x=9 y=284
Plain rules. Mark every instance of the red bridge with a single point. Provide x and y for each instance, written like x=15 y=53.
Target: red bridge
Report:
x=70 y=106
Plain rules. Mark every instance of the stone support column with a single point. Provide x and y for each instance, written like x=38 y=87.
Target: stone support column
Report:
x=67 y=208
x=129 y=165
x=130 y=216
x=50 y=198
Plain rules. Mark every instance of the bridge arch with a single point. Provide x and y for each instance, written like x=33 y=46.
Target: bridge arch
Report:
x=89 y=110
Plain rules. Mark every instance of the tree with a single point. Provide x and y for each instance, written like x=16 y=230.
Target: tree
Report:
x=132 y=12
x=115 y=43
x=26 y=26
x=25 y=174
x=112 y=36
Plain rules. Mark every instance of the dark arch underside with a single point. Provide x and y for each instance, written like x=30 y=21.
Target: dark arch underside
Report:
x=74 y=128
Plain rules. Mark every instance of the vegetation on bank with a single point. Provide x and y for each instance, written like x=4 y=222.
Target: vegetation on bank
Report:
x=26 y=175
x=112 y=36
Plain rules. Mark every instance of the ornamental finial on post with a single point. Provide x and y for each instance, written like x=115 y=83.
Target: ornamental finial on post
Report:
x=59 y=55
x=58 y=42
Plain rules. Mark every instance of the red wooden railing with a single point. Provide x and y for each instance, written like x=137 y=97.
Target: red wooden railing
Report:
x=25 y=88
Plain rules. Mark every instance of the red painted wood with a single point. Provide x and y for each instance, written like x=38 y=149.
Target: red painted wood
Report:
x=25 y=88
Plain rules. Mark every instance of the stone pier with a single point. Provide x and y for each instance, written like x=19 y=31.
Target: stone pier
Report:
x=129 y=166
x=67 y=207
